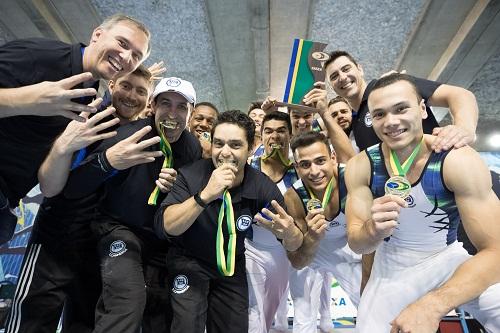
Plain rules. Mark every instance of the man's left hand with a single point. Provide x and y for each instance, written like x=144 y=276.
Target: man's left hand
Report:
x=416 y=318
x=166 y=179
x=451 y=136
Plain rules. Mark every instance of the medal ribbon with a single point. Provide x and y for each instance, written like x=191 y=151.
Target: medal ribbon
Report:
x=401 y=169
x=167 y=163
x=286 y=162
x=328 y=192
x=226 y=265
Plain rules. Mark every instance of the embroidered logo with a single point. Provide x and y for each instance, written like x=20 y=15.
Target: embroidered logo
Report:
x=117 y=248
x=181 y=284
x=243 y=222
x=368 y=119
x=173 y=82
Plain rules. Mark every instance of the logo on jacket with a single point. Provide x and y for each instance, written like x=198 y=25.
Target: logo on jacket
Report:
x=181 y=284
x=368 y=119
x=117 y=248
x=243 y=222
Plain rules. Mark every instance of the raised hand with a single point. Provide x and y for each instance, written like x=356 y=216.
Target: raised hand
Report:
x=156 y=70
x=78 y=135
x=166 y=179
x=221 y=179
x=131 y=151
x=385 y=215
x=281 y=224
x=317 y=97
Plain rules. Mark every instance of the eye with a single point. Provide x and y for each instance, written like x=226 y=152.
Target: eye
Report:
x=320 y=161
x=123 y=43
x=142 y=92
x=346 y=69
x=268 y=131
x=378 y=115
x=334 y=114
x=218 y=144
x=235 y=145
x=304 y=164
x=334 y=76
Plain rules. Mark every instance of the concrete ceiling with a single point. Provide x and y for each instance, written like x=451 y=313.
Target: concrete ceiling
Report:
x=235 y=52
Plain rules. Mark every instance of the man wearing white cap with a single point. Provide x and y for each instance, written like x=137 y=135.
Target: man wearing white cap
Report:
x=130 y=253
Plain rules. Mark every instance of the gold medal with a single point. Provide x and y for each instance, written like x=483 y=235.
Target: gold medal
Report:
x=313 y=204
x=398 y=186
x=205 y=136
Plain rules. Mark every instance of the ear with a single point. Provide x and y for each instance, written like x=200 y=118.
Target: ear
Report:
x=111 y=85
x=423 y=109
x=334 y=156
x=96 y=34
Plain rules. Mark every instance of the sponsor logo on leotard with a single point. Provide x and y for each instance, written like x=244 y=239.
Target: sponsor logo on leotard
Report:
x=117 y=248
x=410 y=201
x=181 y=284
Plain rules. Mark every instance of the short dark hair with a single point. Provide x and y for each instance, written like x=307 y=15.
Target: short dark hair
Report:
x=308 y=138
x=393 y=78
x=277 y=115
x=210 y=105
x=240 y=119
x=337 y=54
x=254 y=105
x=338 y=99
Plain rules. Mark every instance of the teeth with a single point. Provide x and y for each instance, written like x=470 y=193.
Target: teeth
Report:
x=168 y=124
x=395 y=133
x=116 y=65
x=275 y=146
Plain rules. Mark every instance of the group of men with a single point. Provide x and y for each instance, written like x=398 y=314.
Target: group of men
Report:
x=188 y=219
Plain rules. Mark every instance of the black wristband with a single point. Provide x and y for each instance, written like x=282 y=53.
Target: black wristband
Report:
x=199 y=201
x=104 y=163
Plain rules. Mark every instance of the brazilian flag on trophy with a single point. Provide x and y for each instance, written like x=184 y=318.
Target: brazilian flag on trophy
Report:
x=306 y=68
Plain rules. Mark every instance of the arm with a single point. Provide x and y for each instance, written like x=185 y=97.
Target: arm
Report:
x=179 y=217
x=55 y=169
x=369 y=221
x=463 y=107
x=47 y=99
x=312 y=235
x=479 y=210
x=339 y=139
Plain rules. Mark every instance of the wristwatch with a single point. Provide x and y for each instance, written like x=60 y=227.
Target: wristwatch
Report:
x=199 y=201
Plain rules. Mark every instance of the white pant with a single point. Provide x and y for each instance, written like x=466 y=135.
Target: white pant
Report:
x=267 y=273
x=399 y=277
x=311 y=293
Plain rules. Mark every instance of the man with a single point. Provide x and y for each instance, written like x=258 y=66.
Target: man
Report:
x=130 y=254
x=209 y=285
x=406 y=201
x=116 y=48
x=346 y=77
x=64 y=271
x=256 y=113
x=266 y=262
x=201 y=121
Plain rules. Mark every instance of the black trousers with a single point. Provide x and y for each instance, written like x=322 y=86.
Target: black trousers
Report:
x=131 y=283
x=56 y=276
x=201 y=297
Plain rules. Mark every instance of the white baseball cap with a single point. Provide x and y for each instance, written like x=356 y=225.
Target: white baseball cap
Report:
x=177 y=85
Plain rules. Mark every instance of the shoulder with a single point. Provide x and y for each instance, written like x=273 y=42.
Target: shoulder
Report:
x=358 y=169
x=464 y=170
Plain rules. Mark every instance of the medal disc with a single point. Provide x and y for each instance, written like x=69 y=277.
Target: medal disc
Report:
x=398 y=186
x=313 y=204
x=205 y=136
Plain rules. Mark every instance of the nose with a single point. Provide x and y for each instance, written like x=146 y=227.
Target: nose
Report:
x=315 y=169
x=204 y=124
x=391 y=119
x=342 y=76
x=225 y=151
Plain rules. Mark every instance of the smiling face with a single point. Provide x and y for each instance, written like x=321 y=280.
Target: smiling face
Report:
x=115 y=51
x=342 y=114
x=130 y=95
x=275 y=133
x=346 y=78
x=172 y=110
x=315 y=165
x=257 y=115
x=229 y=145
x=397 y=114
x=202 y=120
x=301 y=121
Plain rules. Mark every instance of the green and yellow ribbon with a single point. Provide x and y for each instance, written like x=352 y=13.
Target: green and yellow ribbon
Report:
x=328 y=192
x=166 y=149
x=226 y=265
x=286 y=162
x=401 y=169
